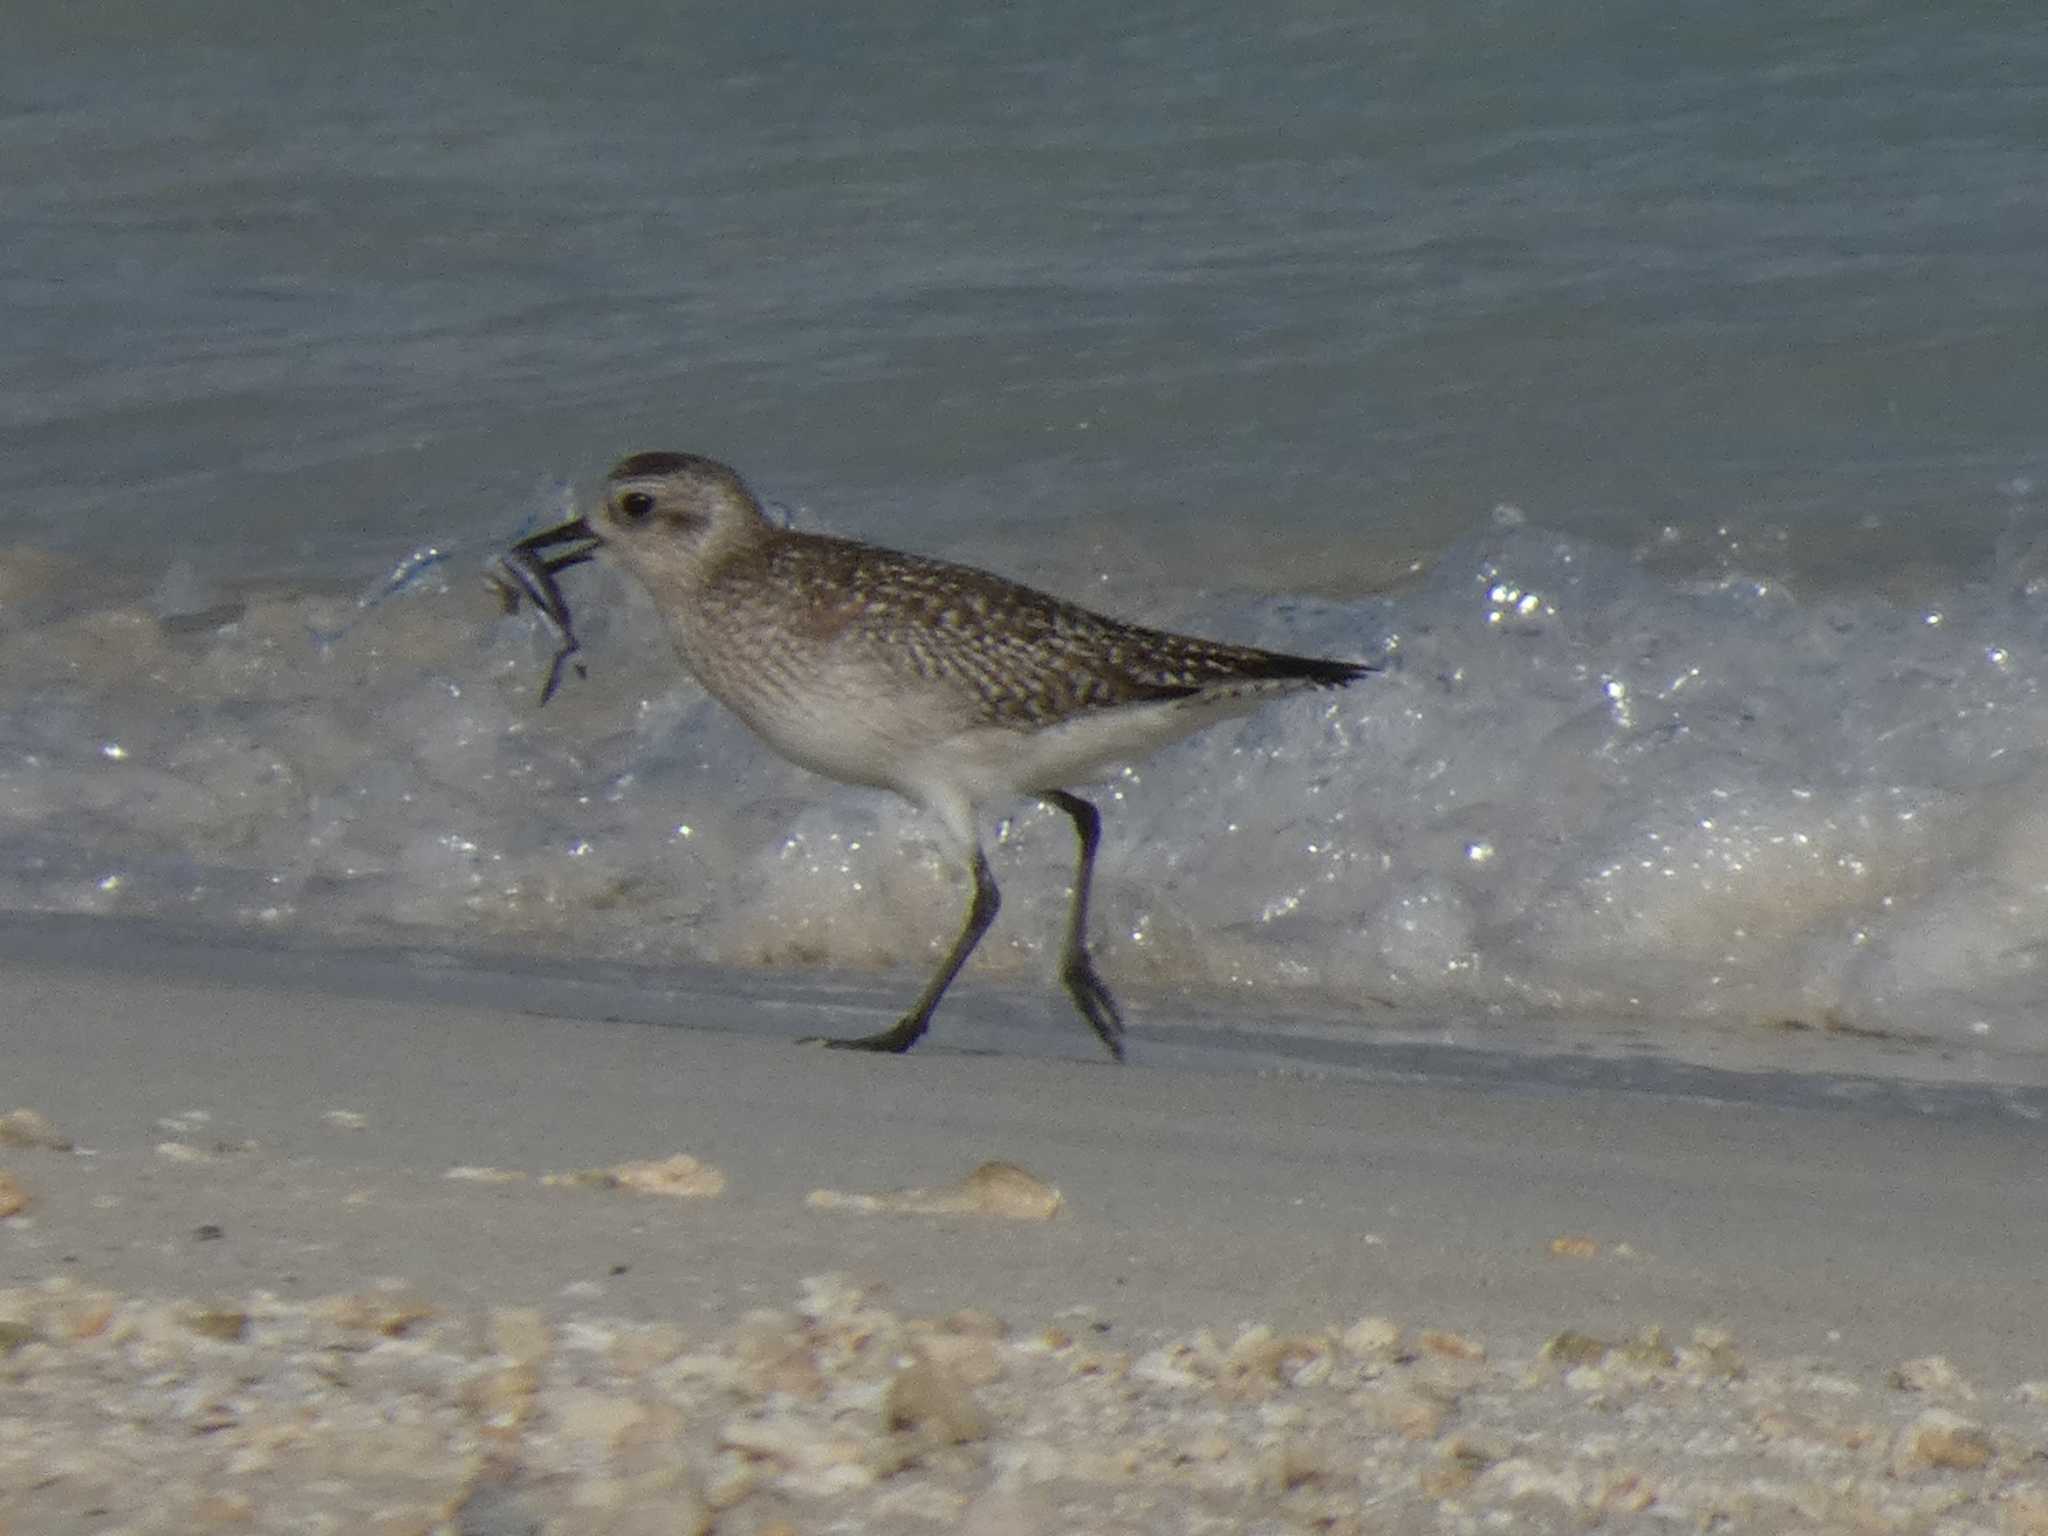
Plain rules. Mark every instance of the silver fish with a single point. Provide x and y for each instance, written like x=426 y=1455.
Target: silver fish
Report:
x=526 y=572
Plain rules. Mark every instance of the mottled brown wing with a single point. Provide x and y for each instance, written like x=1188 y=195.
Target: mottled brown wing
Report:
x=1023 y=656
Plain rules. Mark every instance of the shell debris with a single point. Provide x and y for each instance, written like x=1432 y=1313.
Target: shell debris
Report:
x=680 y=1177
x=28 y=1128
x=376 y=1411
x=996 y=1188
x=469 y=1173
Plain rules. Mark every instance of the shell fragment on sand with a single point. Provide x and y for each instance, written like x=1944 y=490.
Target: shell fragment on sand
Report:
x=680 y=1177
x=994 y=1189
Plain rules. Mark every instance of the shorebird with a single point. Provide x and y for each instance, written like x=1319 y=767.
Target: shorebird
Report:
x=951 y=686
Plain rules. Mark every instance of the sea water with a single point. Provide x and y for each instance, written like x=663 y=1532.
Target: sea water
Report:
x=1653 y=396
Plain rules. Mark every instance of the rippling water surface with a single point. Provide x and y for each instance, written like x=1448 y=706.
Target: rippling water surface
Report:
x=1658 y=396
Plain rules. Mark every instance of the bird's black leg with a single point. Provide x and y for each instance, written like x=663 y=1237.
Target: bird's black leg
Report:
x=1077 y=971
x=904 y=1034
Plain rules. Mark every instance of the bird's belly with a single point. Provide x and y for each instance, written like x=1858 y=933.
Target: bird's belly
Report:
x=853 y=740
x=933 y=743
x=992 y=763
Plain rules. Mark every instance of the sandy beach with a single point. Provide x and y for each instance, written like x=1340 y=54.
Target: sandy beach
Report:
x=365 y=1245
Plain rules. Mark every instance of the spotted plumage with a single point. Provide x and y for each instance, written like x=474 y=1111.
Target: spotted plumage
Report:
x=947 y=684
x=1015 y=656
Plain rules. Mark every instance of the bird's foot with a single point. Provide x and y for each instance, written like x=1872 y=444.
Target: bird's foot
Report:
x=1091 y=995
x=895 y=1040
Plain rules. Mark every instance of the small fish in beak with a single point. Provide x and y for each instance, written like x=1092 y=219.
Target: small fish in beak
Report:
x=527 y=571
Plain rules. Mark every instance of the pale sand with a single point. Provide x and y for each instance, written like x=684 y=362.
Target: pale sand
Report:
x=1427 y=1291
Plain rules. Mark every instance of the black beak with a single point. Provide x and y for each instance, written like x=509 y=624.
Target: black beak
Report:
x=576 y=540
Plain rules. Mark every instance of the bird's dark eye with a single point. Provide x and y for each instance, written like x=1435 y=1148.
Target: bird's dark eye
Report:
x=635 y=506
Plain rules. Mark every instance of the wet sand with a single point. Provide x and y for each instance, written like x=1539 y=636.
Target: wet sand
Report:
x=297 y=1256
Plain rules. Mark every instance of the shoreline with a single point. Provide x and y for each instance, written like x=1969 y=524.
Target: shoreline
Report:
x=269 y=1150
